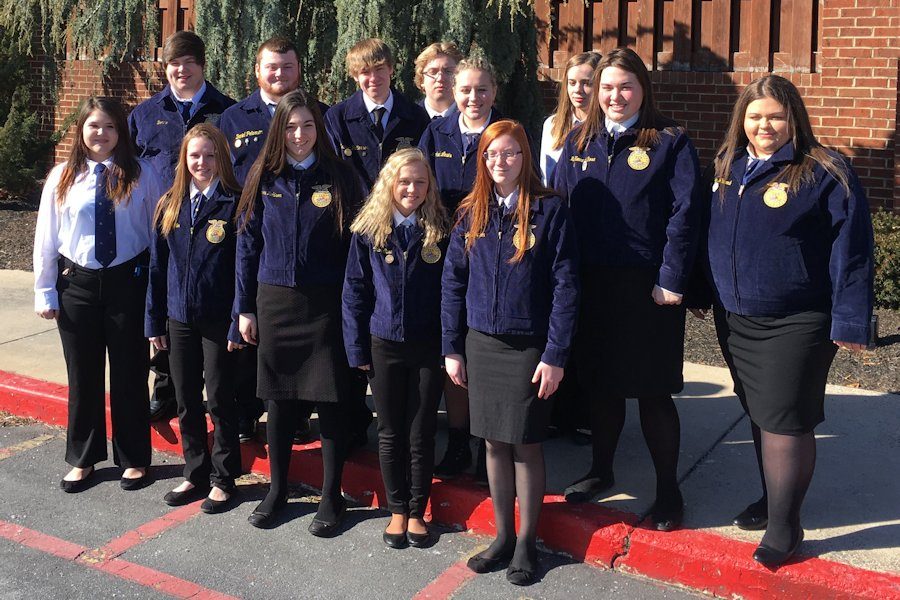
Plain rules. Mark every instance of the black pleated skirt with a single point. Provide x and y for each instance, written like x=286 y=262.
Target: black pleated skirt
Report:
x=626 y=344
x=779 y=366
x=301 y=350
x=503 y=403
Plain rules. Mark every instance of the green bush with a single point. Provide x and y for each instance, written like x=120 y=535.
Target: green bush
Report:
x=887 y=259
x=22 y=151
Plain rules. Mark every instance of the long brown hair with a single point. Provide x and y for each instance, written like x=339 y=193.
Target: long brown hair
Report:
x=272 y=160
x=125 y=169
x=650 y=119
x=562 y=117
x=807 y=150
x=476 y=204
x=169 y=206
x=376 y=219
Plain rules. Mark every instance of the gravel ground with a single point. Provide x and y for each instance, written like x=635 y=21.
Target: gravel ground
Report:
x=877 y=369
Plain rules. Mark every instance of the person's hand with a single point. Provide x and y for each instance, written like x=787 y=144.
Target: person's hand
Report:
x=663 y=297
x=850 y=346
x=549 y=377
x=456 y=370
x=700 y=313
x=159 y=342
x=48 y=313
x=247 y=327
x=232 y=346
x=365 y=367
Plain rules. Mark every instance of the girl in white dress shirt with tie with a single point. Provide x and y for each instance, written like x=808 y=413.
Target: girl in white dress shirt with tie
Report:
x=90 y=265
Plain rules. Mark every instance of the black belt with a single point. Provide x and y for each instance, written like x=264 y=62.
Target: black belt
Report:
x=134 y=266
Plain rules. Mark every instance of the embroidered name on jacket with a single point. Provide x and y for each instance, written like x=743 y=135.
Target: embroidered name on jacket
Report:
x=443 y=155
x=585 y=160
x=272 y=194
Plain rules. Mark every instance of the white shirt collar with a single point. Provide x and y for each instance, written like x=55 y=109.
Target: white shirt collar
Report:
x=613 y=127
x=388 y=104
x=193 y=99
x=208 y=191
x=432 y=112
x=399 y=219
x=91 y=165
x=302 y=164
x=753 y=155
x=463 y=129
x=267 y=99
x=508 y=201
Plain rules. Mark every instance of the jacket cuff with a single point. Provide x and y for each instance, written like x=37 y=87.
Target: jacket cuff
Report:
x=154 y=328
x=234 y=334
x=358 y=356
x=849 y=332
x=453 y=345
x=555 y=356
x=245 y=304
x=669 y=280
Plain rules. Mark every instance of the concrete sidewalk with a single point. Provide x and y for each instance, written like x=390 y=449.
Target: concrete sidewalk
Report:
x=852 y=512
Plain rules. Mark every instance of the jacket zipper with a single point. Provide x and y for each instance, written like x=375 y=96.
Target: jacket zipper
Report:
x=734 y=280
x=189 y=282
x=497 y=274
x=403 y=264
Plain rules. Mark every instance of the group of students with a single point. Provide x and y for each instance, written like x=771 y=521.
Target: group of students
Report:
x=427 y=250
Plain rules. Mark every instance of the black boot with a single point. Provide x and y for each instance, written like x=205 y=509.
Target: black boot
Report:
x=458 y=457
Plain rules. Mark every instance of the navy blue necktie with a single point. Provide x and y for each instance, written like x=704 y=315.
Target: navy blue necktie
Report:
x=104 y=220
x=403 y=235
x=196 y=205
x=470 y=141
x=186 y=110
x=378 y=113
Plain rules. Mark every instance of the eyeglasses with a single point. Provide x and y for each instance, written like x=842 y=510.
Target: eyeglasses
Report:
x=506 y=155
x=433 y=73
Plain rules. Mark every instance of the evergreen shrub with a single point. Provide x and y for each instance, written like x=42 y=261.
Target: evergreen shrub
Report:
x=887 y=259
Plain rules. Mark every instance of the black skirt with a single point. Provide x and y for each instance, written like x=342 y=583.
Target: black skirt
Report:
x=779 y=366
x=503 y=403
x=301 y=350
x=626 y=344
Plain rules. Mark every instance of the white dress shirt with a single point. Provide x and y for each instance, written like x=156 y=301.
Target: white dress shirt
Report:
x=388 y=107
x=194 y=100
x=508 y=202
x=399 y=219
x=432 y=112
x=301 y=165
x=549 y=155
x=68 y=230
x=463 y=129
x=613 y=127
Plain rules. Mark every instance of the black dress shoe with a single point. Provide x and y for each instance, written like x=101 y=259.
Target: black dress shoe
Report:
x=212 y=507
x=588 y=488
x=174 y=498
x=78 y=485
x=770 y=557
x=395 y=540
x=753 y=518
x=458 y=456
x=266 y=519
x=133 y=484
x=247 y=430
x=303 y=433
x=667 y=517
x=163 y=410
x=482 y=564
x=418 y=540
x=520 y=576
x=326 y=529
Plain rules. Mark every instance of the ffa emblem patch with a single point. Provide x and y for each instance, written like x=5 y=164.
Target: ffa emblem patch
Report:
x=215 y=233
x=321 y=197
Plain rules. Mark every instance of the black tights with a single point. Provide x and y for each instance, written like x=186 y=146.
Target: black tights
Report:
x=786 y=464
x=516 y=471
x=280 y=427
x=662 y=432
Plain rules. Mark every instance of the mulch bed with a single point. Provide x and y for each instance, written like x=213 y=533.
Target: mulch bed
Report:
x=877 y=369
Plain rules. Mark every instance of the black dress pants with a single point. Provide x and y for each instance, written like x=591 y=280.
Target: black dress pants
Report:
x=199 y=352
x=406 y=381
x=102 y=312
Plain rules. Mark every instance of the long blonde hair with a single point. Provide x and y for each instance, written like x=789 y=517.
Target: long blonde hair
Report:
x=561 y=119
x=375 y=221
x=166 y=215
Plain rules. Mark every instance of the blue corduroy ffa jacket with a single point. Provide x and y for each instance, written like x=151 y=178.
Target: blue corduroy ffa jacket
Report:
x=391 y=294
x=537 y=296
x=634 y=217
x=814 y=252
x=192 y=268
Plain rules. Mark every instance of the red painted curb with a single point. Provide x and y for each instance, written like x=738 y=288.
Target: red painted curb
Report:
x=708 y=562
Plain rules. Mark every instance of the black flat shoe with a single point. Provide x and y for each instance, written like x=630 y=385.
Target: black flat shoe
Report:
x=266 y=519
x=483 y=564
x=771 y=558
x=753 y=518
x=78 y=485
x=667 y=518
x=174 y=498
x=133 y=484
x=212 y=507
x=395 y=540
x=588 y=489
x=326 y=529
x=520 y=576
x=418 y=540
